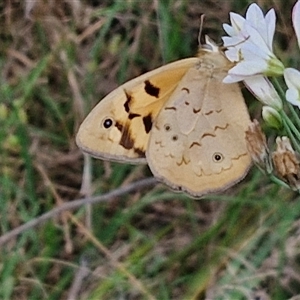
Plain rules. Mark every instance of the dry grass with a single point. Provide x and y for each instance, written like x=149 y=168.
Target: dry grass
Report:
x=58 y=58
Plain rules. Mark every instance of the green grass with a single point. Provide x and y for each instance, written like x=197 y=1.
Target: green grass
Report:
x=151 y=243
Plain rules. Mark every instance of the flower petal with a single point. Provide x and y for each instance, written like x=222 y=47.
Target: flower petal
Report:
x=292 y=96
x=248 y=68
x=232 y=42
x=251 y=52
x=232 y=78
x=296 y=20
x=292 y=78
x=270 y=20
x=257 y=38
x=255 y=14
x=237 y=21
x=229 y=29
x=264 y=91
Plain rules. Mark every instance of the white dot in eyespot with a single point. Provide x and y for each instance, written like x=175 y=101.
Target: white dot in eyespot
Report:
x=107 y=123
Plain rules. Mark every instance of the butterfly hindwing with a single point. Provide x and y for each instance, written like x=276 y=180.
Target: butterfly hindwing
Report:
x=198 y=139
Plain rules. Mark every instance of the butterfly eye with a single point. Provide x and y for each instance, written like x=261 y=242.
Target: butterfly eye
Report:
x=107 y=123
x=167 y=127
x=218 y=157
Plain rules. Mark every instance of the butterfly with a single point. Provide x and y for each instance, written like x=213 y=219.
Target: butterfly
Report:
x=181 y=119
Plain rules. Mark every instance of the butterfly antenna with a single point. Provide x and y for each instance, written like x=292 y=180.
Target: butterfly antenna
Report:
x=200 y=30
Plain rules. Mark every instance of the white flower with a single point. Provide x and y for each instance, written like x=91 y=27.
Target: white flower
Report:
x=296 y=20
x=255 y=18
x=264 y=91
x=250 y=44
x=292 y=76
x=292 y=80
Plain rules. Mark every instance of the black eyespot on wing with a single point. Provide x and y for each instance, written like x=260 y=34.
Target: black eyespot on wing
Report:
x=151 y=90
x=218 y=157
x=107 y=123
x=167 y=127
x=147 y=120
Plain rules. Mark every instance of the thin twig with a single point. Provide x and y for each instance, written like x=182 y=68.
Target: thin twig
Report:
x=80 y=275
x=86 y=187
x=77 y=203
x=113 y=261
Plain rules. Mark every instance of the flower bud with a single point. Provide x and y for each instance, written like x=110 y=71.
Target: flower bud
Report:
x=272 y=117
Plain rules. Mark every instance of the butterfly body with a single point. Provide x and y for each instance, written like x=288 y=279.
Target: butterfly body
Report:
x=181 y=119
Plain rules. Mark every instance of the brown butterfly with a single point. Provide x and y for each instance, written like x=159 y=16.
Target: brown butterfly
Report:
x=181 y=119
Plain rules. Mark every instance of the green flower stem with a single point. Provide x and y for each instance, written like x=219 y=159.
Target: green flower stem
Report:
x=294 y=114
x=289 y=124
x=278 y=88
x=278 y=181
x=292 y=131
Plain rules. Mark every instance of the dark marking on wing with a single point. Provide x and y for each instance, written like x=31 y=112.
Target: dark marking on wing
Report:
x=209 y=112
x=126 y=141
x=207 y=134
x=133 y=115
x=195 y=144
x=147 y=120
x=119 y=126
x=139 y=152
x=215 y=129
x=186 y=103
x=222 y=128
x=127 y=102
x=183 y=161
x=239 y=156
x=186 y=89
x=212 y=111
x=170 y=108
x=151 y=90
x=195 y=111
x=174 y=138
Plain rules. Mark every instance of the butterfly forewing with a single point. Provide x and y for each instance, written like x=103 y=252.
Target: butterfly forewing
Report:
x=118 y=128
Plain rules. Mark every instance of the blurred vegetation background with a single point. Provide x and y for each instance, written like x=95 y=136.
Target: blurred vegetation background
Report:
x=58 y=58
